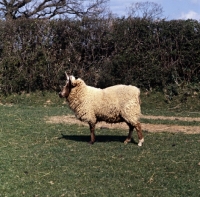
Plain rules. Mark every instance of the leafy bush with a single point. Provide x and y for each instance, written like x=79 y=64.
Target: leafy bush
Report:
x=150 y=54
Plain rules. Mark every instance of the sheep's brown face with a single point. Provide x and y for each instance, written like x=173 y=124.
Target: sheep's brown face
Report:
x=65 y=91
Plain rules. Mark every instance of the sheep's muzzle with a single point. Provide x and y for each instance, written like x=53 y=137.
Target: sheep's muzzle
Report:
x=60 y=95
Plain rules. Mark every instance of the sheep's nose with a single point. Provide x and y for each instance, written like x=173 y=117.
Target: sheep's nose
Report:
x=60 y=94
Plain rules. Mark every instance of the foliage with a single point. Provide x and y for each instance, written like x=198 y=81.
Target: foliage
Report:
x=163 y=55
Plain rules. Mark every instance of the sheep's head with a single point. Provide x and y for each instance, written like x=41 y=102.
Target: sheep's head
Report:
x=68 y=86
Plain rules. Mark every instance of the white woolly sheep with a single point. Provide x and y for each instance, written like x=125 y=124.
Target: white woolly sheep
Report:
x=119 y=103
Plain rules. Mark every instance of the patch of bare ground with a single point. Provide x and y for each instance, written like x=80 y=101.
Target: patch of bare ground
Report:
x=147 y=127
x=189 y=119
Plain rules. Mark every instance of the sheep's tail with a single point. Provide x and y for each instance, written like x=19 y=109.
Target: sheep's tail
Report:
x=139 y=100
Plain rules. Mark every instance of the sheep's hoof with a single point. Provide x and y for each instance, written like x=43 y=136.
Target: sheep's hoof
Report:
x=127 y=141
x=91 y=142
x=140 y=142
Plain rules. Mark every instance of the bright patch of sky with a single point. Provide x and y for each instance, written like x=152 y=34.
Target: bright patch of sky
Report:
x=172 y=9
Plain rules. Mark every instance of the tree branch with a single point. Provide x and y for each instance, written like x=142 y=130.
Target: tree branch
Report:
x=14 y=9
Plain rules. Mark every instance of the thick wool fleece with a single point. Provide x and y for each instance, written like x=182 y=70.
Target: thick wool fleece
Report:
x=113 y=104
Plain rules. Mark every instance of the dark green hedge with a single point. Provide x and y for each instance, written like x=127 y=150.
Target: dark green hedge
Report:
x=150 y=54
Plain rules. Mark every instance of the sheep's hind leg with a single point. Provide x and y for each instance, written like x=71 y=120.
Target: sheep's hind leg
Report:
x=139 y=133
x=128 y=139
x=92 y=134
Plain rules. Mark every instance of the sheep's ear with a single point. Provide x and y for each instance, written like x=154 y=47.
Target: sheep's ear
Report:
x=67 y=77
x=73 y=81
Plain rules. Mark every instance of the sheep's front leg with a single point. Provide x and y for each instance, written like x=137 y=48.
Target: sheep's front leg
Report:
x=92 y=129
x=128 y=139
x=139 y=133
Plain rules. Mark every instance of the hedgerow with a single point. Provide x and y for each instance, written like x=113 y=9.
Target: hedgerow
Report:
x=162 y=55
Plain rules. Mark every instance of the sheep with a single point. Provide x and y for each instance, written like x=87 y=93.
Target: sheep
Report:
x=119 y=103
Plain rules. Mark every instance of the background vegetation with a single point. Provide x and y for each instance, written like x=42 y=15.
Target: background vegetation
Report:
x=150 y=54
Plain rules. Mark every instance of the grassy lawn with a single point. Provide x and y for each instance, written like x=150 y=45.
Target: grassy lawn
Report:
x=41 y=159
x=155 y=104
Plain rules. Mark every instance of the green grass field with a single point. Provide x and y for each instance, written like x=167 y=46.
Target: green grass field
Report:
x=42 y=159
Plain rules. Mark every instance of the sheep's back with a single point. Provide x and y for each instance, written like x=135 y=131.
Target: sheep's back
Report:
x=117 y=100
x=122 y=93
